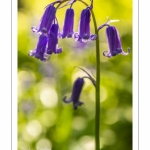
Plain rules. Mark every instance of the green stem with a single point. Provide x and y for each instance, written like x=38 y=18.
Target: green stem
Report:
x=97 y=111
x=97 y=92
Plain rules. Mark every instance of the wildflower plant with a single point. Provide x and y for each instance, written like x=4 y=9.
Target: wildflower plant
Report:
x=49 y=34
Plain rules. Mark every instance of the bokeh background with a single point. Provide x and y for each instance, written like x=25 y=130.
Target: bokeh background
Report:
x=44 y=121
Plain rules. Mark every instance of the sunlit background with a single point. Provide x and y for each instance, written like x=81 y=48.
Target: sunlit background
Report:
x=44 y=121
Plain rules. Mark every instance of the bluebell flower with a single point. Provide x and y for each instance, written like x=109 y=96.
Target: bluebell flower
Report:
x=83 y=34
x=76 y=91
x=47 y=19
x=68 y=24
x=53 y=40
x=114 y=43
x=40 y=51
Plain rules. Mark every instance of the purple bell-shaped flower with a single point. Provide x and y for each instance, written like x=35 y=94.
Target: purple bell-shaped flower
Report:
x=83 y=34
x=114 y=43
x=47 y=19
x=40 y=51
x=76 y=91
x=53 y=40
x=68 y=24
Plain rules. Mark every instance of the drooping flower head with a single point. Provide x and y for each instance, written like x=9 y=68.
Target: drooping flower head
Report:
x=40 y=51
x=53 y=40
x=68 y=24
x=114 y=43
x=76 y=91
x=47 y=19
x=84 y=27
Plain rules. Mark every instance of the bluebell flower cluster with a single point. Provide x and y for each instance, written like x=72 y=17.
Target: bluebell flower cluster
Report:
x=49 y=34
x=49 y=31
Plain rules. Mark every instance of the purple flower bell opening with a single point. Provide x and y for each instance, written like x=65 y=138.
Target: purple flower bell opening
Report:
x=68 y=24
x=83 y=34
x=53 y=40
x=40 y=51
x=47 y=19
x=76 y=91
x=114 y=43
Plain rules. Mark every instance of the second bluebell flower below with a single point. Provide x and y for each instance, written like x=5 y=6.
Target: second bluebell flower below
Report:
x=76 y=91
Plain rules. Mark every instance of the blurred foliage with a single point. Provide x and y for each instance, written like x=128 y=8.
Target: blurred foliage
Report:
x=44 y=121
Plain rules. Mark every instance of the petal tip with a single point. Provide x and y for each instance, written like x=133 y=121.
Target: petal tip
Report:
x=106 y=54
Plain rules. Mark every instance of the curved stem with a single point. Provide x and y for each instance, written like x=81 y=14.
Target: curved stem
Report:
x=97 y=113
x=97 y=93
x=61 y=3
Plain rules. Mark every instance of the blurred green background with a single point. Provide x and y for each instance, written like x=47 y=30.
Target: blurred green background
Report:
x=44 y=121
